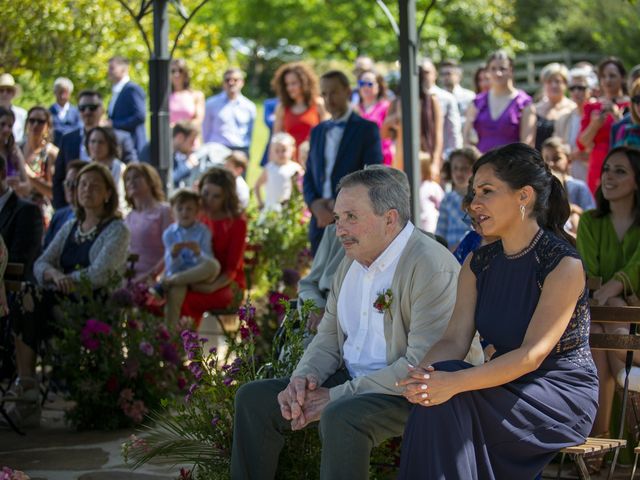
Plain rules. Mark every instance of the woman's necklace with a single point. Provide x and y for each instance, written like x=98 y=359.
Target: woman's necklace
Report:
x=89 y=235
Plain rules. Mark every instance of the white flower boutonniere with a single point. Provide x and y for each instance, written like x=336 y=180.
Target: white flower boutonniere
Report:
x=383 y=301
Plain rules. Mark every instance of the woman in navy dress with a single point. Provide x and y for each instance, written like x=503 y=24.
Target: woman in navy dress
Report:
x=525 y=294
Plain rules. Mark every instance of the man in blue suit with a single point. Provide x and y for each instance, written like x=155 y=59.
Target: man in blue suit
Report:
x=66 y=117
x=339 y=146
x=127 y=108
x=72 y=144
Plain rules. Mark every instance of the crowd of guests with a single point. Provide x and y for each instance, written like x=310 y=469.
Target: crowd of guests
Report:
x=77 y=194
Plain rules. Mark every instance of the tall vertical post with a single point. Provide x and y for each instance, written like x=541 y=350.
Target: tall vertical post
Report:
x=159 y=91
x=410 y=100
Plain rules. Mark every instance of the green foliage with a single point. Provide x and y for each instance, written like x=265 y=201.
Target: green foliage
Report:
x=117 y=360
x=281 y=242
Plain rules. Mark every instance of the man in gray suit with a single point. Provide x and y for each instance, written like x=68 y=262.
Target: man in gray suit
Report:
x=390 y=301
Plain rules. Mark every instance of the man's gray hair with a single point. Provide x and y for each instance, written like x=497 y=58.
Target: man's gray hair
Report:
x=388 y=188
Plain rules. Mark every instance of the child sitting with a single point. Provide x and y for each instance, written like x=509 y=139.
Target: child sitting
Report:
x=431 y=195
x=189 y=261
x=278 y=173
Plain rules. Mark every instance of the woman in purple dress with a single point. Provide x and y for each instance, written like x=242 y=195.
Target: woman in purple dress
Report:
x=526 y=295
x=502 y=115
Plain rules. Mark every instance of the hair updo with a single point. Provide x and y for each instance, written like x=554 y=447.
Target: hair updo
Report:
x=519 y=165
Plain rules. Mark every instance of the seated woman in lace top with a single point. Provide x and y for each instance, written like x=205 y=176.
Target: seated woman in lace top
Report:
x=93 y=246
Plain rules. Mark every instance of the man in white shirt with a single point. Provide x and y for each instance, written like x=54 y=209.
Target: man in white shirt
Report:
x=390 y=301
x=450 y=76
x=229 y=115
x=452 y=126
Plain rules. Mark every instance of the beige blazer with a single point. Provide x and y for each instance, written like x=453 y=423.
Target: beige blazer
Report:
x=424 y=294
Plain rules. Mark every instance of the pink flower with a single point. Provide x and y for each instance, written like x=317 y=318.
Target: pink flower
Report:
x=126 y=395
x=163 y=333
x=146 y=348
x=92 y=329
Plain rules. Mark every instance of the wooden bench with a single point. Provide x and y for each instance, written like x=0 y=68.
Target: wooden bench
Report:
x=608 y=341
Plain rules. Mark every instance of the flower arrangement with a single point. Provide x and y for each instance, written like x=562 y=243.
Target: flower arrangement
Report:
x=10 y=474
x=197 y=430
x=383 y=301
x=117 y=359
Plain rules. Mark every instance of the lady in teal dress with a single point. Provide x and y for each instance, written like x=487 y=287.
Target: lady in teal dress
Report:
x=608 y=241
x=526 y=295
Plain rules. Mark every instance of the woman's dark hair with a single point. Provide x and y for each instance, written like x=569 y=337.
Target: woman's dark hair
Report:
x=519 y=165
x=111 y=206
x=7 y=112
x=227 y=182
x=470 y=154
x=181 y=65
x=382 y=84
x=307 y=78
x=47 y=117
x=110 y=138
x=602 y=204
x=616 y=62
x=476 y=78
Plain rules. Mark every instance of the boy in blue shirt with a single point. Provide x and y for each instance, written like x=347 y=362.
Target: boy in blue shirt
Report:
x=188 y=258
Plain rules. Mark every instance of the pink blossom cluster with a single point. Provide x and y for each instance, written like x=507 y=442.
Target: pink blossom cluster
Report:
x=91 y=332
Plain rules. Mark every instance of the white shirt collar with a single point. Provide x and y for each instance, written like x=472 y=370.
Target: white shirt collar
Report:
x=393 y=251
x=117 y=88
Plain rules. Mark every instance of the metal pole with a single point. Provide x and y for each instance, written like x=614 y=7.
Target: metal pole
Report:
x=159 y=91
x=410 y=100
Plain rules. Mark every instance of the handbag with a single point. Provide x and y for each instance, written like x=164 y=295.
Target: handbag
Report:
x=629 y=295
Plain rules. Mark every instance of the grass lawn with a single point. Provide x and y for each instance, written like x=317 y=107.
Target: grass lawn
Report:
x=258 y=143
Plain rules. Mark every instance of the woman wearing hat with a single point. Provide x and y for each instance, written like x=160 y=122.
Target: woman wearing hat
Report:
x=8 y=91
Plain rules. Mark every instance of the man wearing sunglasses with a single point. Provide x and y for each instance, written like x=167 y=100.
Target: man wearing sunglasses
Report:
x=72 y=145
x=229 y=115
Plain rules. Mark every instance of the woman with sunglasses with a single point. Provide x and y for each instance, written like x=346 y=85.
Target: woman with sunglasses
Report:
x=40 y=157
x=373 y=105
x=301 y=108
x=185 y=104
x=16 y=173
x=628 y=132
x=599 y=116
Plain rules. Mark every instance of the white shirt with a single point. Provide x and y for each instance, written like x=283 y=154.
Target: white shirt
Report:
x=278 y=187
x=115 y=92
x=243 y=191
x=464 y=97
x=62 y=113
x=365 y=348
x=333 y=137
x=18 y=126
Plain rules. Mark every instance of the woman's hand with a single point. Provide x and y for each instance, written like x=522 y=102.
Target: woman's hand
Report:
x=62 y=282
x=426 y=386
x=611 y=289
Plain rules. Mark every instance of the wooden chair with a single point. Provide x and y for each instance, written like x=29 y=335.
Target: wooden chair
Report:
x=608 y=341
x=13 y=278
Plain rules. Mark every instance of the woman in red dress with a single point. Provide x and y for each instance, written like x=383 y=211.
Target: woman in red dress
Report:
x=221 y=212
x=300 y=108
x=599 y=116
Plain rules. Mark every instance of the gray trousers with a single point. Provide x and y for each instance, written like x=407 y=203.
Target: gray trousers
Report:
x=349 y=428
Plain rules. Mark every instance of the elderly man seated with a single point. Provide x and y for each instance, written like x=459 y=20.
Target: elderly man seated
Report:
x=390 y=301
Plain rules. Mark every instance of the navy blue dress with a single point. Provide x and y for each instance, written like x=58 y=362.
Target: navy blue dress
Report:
x=511 y=431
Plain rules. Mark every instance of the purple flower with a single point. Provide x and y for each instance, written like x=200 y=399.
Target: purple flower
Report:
x=163 y=333
x=290 y=277
x=146 y=348
x=227 y=381
x=91 y=330
x=192 y=389
x=215 y=420
x=122 y=298
x=246 y=313
x=275 y=299
x=213 y=350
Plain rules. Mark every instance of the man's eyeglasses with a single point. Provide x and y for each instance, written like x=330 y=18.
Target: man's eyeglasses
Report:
x=579 y=88
x=39 y=121
x=92 y=107
x=232 y=80
x=635 y=99
x=364 y=83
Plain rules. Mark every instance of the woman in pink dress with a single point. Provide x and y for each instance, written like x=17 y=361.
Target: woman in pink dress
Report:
x=185 y=104
x=301 y=108
x=150 y=215
x=599 y=116
x=373 y=105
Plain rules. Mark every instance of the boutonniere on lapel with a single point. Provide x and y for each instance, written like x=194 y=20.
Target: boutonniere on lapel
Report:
x=383 y=301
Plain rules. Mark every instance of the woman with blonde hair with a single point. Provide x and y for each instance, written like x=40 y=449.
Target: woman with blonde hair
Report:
x=553 y=105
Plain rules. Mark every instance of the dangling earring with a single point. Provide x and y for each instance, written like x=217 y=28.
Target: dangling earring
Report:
x=523 y=209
